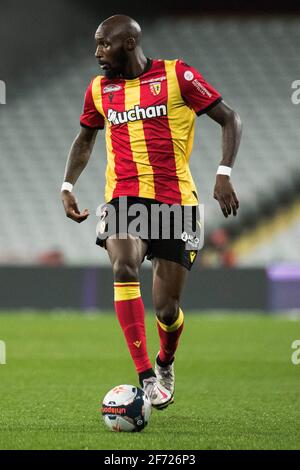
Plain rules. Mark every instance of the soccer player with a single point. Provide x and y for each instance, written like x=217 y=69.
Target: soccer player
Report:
x=148 y=108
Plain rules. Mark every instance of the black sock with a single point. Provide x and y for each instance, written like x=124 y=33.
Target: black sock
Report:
x=146 y=375
x=164 y=364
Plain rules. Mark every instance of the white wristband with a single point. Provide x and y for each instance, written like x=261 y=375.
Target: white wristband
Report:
x=224 y=170
x=67 y=187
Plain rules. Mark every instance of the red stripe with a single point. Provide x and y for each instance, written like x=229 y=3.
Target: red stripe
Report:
x=125 y=168
x=159 y=142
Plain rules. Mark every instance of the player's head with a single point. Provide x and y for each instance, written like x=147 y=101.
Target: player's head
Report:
x=117 y=39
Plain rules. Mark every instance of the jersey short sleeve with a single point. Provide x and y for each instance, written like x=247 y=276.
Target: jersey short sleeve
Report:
x=90 y=116
x=195 y=91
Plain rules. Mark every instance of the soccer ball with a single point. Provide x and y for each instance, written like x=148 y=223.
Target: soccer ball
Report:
x=126 y=408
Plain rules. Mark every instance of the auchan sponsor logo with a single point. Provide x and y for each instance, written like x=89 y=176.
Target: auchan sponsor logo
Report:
x=136 y=114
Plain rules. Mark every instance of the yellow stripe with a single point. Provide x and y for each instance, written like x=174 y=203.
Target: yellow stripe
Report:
x=176 y=325
x=283 y=219
x=182 y=126
x=110 y=169
x=110 y=174
x=138 y=142
x=121 y=284
x=97 y=97
x=127 y=293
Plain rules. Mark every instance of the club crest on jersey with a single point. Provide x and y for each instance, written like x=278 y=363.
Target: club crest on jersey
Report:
x=155 y=88
x=136 y=114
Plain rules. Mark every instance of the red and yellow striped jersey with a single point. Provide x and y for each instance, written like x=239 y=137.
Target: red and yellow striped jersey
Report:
x=149 y=124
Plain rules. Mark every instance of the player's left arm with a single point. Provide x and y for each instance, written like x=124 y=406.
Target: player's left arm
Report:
x=231 y=124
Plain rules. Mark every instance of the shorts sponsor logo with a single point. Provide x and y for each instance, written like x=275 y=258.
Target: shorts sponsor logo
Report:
x=190 y=238
x=188 y=75
x=136 y=114
x=102 y=223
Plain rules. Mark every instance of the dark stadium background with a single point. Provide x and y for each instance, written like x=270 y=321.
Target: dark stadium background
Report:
x=40 y=42
x=244 y=291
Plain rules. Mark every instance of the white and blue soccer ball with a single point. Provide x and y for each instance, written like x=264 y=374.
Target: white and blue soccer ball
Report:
x=126 y=408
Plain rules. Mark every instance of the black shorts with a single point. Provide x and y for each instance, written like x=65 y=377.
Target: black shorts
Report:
x=174 y=236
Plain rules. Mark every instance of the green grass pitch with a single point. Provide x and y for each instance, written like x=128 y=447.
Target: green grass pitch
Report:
x=236 y=385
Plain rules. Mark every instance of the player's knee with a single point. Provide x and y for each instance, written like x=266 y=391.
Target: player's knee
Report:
x=125 y=271
x=168 y=313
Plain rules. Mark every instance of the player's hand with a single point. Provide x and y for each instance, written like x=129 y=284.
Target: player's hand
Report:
x=71 y=207
x=225 y=194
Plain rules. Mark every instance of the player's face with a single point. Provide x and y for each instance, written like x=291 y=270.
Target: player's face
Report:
x=111 y=53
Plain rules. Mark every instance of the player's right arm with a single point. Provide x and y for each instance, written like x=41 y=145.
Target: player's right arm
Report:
x=79 y=156
x=91 y=121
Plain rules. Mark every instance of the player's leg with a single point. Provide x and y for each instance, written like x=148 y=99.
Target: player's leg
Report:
x=168 y=282
x=126 y=256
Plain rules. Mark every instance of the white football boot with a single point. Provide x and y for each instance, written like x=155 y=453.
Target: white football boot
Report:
x=158 y=395
x=166 y=376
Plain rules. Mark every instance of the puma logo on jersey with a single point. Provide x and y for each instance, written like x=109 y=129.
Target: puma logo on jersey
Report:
x=136 y=114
